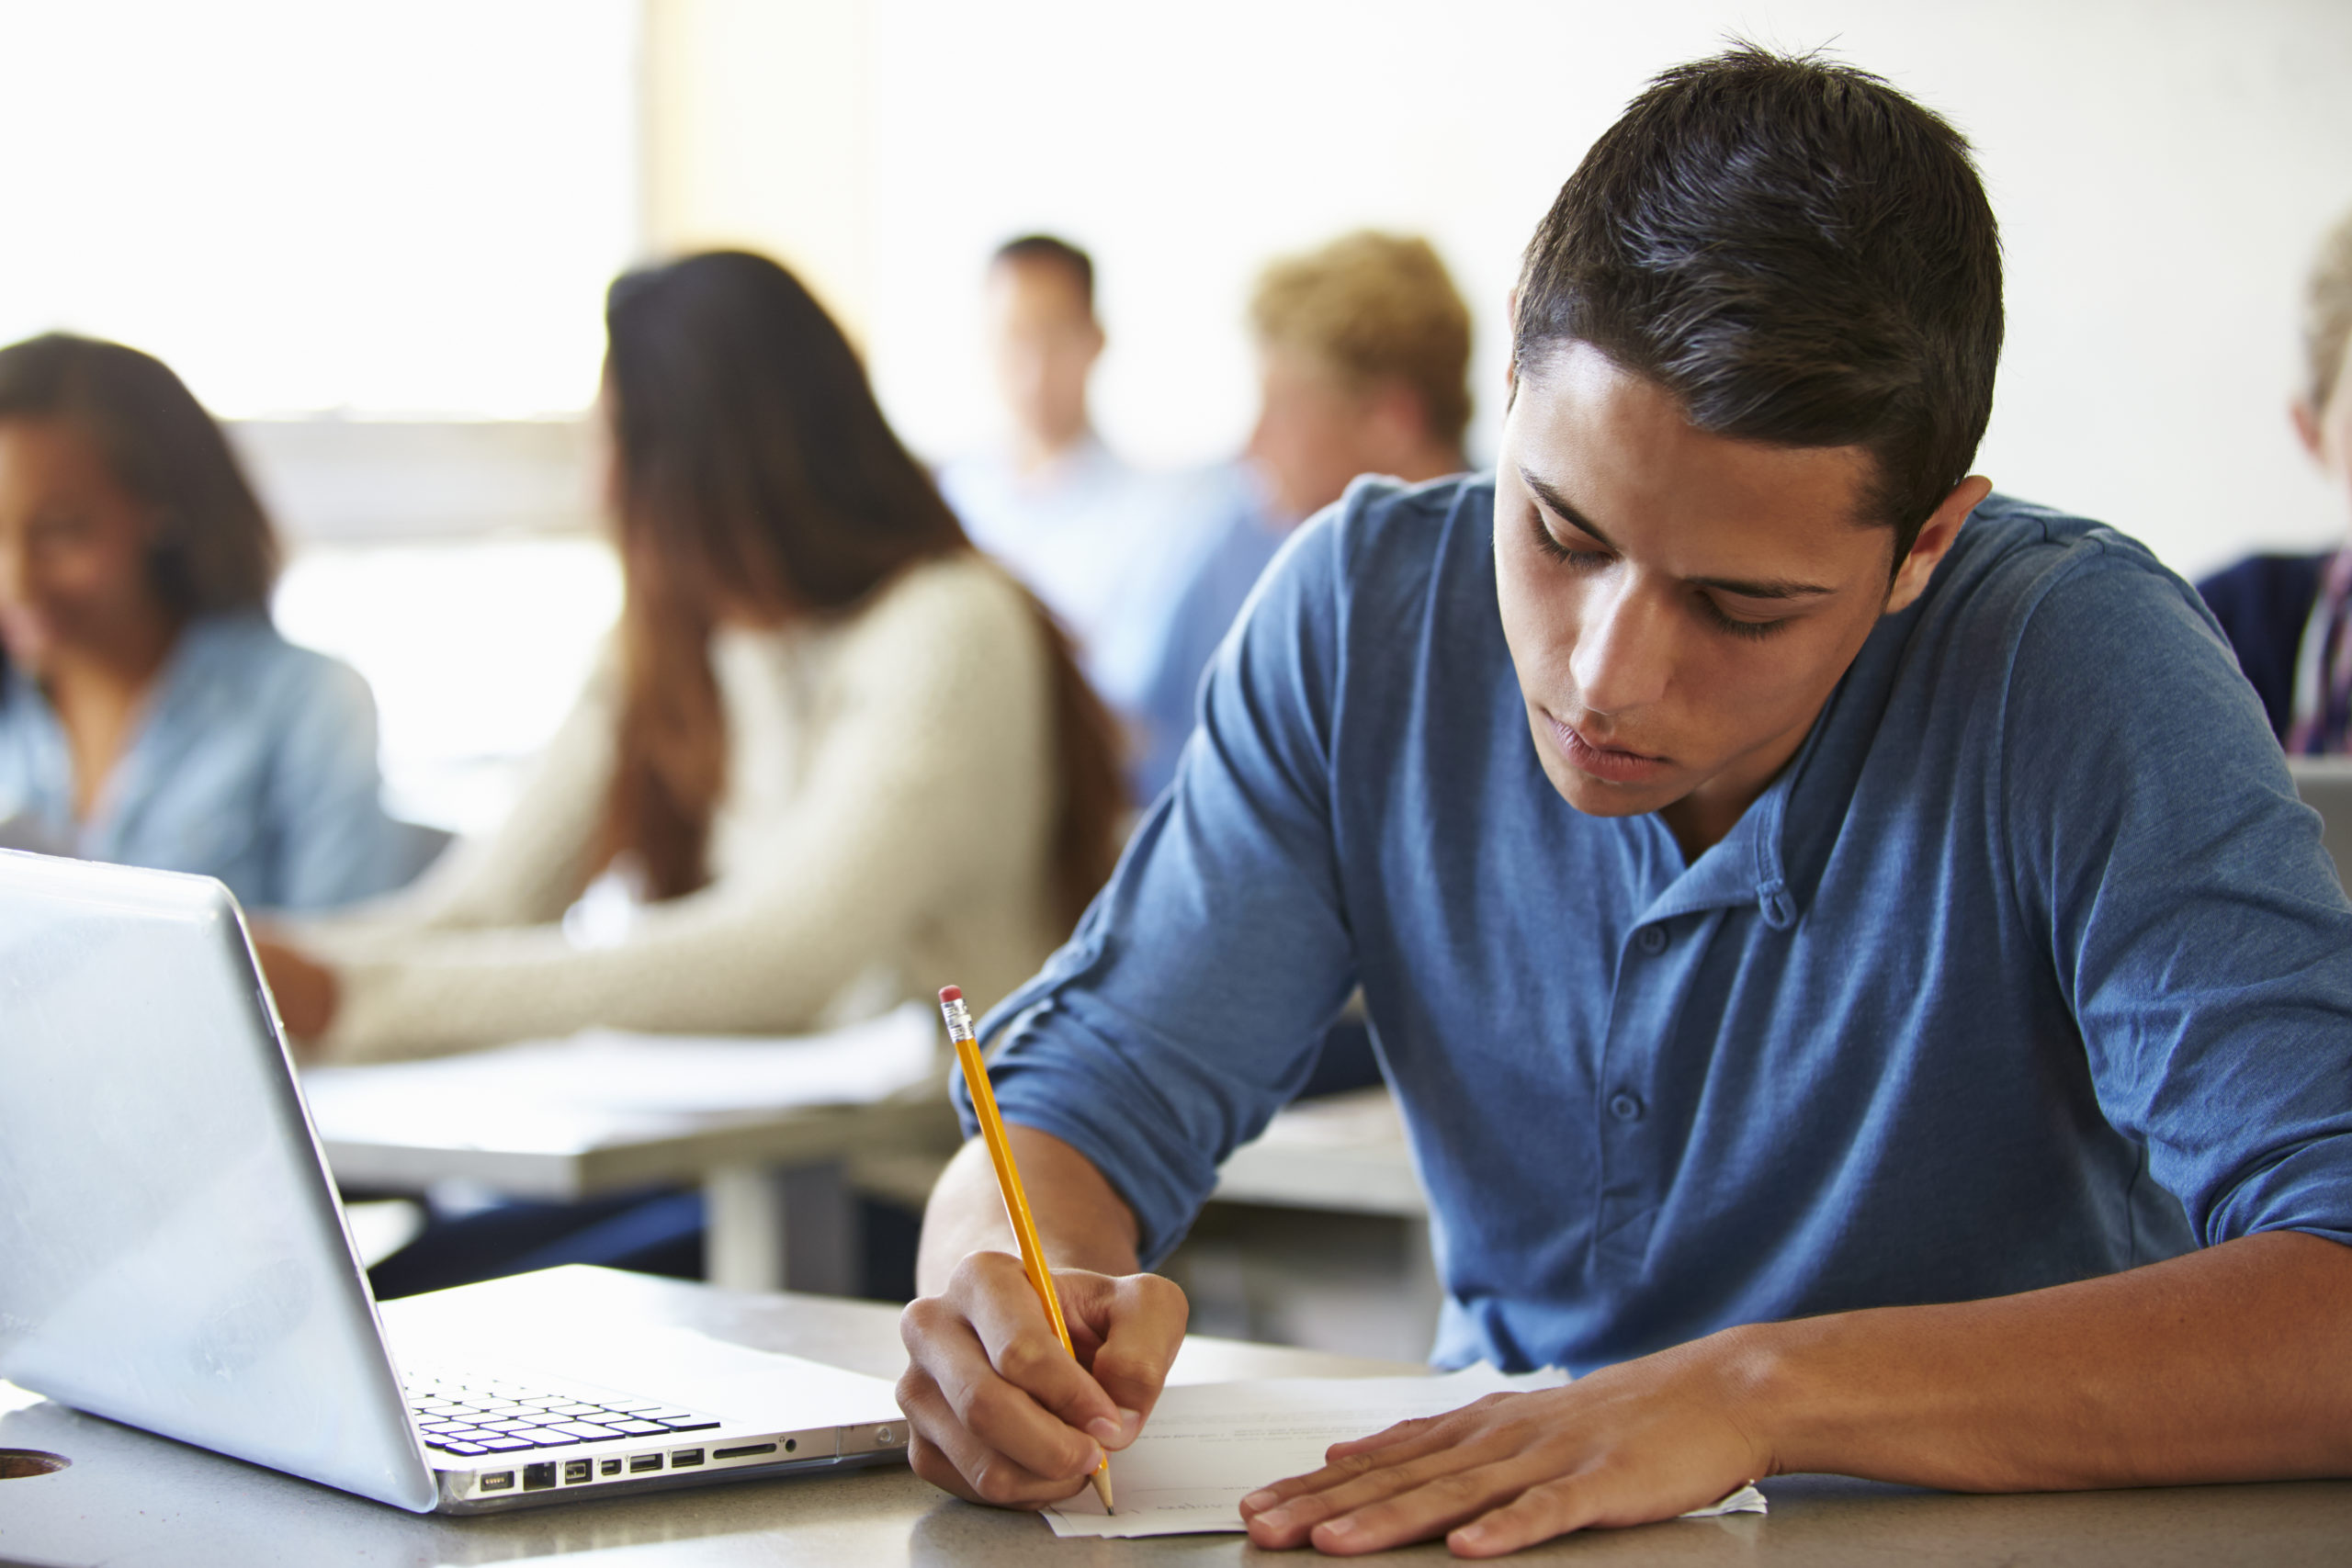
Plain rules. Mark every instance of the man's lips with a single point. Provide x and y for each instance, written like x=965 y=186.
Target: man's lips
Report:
x=1611 y=764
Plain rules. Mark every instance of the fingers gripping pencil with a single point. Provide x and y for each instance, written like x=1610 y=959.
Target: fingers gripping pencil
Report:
x=1008 y=1181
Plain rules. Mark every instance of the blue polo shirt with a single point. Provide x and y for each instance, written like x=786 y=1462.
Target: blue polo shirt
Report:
x=2029 y=968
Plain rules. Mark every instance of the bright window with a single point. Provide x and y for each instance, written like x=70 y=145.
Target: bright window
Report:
x=367 y=206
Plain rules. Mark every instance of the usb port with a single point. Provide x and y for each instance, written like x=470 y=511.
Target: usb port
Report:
x=498 y=1481
x=639 y=1463
x=746 y=1449
x=539 y=1477
x=684 y=1457
x=576 y=1471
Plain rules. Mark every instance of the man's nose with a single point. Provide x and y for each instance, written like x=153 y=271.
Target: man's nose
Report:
x=1624 y=649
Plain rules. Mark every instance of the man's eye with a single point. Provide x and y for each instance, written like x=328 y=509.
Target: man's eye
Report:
x=1732 y=625
x=1549 y=543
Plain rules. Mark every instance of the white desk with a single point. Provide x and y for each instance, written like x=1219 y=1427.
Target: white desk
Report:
x=134 y=1500
x=762 y=1127
x=1345 y=1152
x=771 y=1181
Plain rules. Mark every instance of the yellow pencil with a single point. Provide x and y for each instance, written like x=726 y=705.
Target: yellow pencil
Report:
x=1008 y=1181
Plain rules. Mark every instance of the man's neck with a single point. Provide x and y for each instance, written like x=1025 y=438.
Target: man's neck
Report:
x=1427 y=461
x=1034 y=455
x=98 y=701
x=1705 y=817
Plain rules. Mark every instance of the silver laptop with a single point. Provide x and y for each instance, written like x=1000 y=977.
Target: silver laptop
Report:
x=172 y=1253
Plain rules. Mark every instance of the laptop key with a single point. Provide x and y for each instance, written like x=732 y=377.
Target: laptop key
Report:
x=688 y=1423
x=585 y=1432
x=506 y=1445
x=640 y=1428
x=459 y=1448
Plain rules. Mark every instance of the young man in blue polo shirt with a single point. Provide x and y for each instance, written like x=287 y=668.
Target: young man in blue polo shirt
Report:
x=1859 y=984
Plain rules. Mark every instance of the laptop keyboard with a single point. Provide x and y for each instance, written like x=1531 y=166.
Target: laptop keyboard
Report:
x=472 y=1415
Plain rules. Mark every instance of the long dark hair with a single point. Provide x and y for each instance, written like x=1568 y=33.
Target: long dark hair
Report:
x=215 y=551
x=758 y=477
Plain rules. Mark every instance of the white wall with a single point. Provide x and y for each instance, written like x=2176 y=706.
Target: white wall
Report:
x=2161 y=170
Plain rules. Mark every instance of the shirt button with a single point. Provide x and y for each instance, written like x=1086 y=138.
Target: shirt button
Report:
x=1653 y=940
x=1624 y=1107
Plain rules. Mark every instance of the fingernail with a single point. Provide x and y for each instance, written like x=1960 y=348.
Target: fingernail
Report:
x=1276 y=1520
x=1106 y=1431
x=1258 y=1499
x=1130 y=1423
x=1337 y=1527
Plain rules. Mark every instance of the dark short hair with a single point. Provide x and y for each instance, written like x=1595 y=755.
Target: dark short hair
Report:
x=217 y=551
x=1051 y=251
x=1799 y=254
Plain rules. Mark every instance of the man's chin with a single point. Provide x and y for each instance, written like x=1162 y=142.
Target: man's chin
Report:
x=1600 y=797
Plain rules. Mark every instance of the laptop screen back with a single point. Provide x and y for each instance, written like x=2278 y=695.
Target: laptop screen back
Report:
x=171 y=1253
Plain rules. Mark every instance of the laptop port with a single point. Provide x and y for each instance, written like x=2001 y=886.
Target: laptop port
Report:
x=610 y=1467
x=496 y=1481
x=576 y=1471
x=539 y=1477
x=746 y=1449
x=639 y=1463
x=684 y=1457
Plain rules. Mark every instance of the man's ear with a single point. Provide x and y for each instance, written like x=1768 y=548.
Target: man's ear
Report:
x=1935 y=539
x=2306 y=422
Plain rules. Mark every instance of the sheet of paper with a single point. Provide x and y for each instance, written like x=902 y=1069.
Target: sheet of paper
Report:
x=603 y=1083
x=1210 y=1445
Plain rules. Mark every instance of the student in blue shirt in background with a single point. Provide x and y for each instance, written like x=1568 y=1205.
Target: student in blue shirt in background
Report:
x=1859 y=984
x=2289 y=618
x=150 y=713
x=1363 y=368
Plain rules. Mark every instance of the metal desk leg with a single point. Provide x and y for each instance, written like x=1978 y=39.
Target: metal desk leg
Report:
x=774 y=1230
x=743 y=1227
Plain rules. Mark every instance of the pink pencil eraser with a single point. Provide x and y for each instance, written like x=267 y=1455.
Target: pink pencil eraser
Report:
x=950 y=994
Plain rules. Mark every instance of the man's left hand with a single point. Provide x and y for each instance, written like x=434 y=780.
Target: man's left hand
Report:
x=1647 y=1439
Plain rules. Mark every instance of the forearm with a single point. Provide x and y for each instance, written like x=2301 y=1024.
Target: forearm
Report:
x=2234 y=1364
x=1080 y=1219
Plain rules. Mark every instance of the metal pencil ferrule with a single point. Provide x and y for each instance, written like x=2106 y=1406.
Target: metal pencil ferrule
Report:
x=959 y=1019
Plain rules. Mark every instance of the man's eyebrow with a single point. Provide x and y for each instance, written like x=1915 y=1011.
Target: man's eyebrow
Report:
x=1744 y=588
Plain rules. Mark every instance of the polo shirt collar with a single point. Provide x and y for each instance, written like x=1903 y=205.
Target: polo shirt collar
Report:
x=1745 y=867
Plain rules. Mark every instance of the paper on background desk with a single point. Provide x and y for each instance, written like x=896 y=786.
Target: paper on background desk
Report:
x=1210 y=1445
x=601 y=1082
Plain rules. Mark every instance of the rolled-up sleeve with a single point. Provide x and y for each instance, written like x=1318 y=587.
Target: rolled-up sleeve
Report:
x=2196 y=926
x=1189 y=1004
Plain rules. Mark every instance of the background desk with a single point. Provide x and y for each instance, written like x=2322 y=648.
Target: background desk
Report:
x=135 y=1501
x=764 y=1127
x=775 y=1203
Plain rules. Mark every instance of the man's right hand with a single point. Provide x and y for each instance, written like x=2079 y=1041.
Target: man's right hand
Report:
x=997 y=1412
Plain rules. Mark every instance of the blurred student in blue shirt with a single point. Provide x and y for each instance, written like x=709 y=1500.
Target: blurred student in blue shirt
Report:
x=2289 y=618
x=1363 y=368
x=1097 y=540
x=1859 y=984
x=150 y=714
